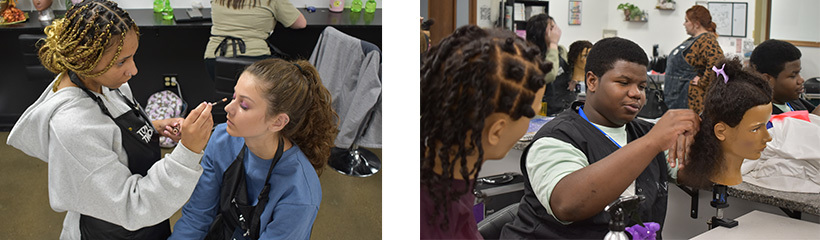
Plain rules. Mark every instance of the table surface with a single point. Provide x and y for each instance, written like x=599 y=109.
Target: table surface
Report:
x=147 y=18
x=762 y=225
x=803 y=202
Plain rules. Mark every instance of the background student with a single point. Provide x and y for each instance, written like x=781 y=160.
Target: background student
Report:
x=689 y=64
x=779 y=62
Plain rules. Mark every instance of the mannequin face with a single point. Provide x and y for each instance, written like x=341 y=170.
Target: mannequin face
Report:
x=788 y=84
x=41 y=5
x=749 y=137
x=581 y=61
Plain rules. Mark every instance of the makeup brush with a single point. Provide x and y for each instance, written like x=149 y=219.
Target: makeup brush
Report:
x=220 y=101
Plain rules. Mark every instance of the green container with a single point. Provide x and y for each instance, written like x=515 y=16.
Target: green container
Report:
x=370 y=6
x=167 y=11
x=158 y=5
x=356 y=6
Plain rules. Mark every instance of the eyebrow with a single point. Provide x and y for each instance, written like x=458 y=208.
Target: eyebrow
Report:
x=246 y=97
x=632 y=80
x=126 y=57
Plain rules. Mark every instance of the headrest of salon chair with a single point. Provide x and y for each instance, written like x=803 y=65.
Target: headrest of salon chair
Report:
x=490 y=227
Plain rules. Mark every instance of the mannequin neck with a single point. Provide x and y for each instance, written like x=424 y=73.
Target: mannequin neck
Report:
x=578 y=73
x=729 y=172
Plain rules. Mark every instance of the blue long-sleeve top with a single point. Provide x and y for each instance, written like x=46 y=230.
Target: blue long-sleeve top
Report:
x=294 y=196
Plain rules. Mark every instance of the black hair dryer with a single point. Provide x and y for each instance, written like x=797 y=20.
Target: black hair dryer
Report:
x=619 y=211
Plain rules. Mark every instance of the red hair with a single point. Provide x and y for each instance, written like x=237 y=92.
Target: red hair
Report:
x=701 y=15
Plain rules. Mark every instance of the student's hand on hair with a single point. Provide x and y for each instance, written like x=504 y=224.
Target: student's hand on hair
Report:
x=169 y=128
x=196 y=128
x=679 y=152
x=554 y=35
x=675 y=132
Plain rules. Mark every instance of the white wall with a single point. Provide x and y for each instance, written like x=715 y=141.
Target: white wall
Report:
x=664 y=28
x=26 y=5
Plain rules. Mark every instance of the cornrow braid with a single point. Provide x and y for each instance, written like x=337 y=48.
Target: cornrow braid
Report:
x=471 y=74
x=77 y=42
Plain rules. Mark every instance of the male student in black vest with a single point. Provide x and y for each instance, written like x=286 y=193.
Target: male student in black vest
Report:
x=779 y=62
x=580 y=161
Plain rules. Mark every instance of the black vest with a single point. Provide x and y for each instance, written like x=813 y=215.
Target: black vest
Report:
x=533 y=221
x=797 y=104
x=556 y=95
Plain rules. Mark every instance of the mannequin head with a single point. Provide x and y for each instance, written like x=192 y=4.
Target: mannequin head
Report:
x=479 y=90
x=41 y=5
x=733 y=127
x=577 y=57
x=779 y=62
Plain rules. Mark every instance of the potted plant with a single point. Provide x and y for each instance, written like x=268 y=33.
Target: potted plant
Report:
x=630 y=11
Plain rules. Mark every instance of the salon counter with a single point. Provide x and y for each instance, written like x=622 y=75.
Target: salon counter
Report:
x=799 y=202
x=168 y=47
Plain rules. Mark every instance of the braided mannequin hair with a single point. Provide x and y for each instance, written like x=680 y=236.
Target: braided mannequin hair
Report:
x=575 y=51
x=77 y=42
x=471 y=74
x=725 y=102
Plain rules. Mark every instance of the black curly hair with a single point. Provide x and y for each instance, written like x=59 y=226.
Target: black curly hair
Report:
x=607 y=51
x=771 y=56
x=536 y=30
x=471 y=74
x=727 y=103
x=575 y=51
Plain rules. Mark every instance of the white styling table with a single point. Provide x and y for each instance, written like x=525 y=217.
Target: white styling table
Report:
x=762 y=225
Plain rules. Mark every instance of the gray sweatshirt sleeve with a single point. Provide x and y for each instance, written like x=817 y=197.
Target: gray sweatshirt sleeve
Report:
x=88 y=172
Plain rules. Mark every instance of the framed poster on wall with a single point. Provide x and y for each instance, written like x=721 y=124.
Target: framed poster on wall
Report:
x=574 y=12
x=730 y=18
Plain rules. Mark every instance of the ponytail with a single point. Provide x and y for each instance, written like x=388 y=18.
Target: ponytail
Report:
x=295 y=88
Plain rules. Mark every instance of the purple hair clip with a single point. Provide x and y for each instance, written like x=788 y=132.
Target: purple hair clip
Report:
x=721 y=72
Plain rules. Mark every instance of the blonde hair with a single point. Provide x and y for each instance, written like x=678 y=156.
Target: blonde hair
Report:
x=77 y=42
x=295 y=88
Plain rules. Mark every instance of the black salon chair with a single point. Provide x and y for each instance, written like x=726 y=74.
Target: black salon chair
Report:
x=490 y=227
x=34 y=70
x=226 y=73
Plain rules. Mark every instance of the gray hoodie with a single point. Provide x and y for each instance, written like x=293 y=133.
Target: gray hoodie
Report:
x=88 y=167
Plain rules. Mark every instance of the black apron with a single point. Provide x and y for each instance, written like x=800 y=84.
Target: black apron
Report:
x=235 y=210
x=141 y=143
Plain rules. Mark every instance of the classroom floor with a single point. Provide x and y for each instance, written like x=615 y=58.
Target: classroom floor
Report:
x=351 y=206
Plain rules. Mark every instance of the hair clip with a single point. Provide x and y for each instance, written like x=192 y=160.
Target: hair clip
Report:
x=721 y=72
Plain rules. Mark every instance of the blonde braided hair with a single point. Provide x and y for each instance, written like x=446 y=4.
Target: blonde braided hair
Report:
x=77 y=42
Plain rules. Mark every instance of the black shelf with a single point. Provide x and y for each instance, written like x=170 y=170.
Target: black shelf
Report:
x=521 y=24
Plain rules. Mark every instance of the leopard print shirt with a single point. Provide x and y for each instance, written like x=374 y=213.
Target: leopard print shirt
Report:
x=703 y=54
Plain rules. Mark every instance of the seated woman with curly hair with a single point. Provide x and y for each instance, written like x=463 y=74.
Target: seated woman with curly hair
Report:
x=479 y=90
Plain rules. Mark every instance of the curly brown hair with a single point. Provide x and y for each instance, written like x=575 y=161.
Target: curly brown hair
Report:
x=77 y=42
x=294 y=88
x=727 y=103
x=471 y=74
